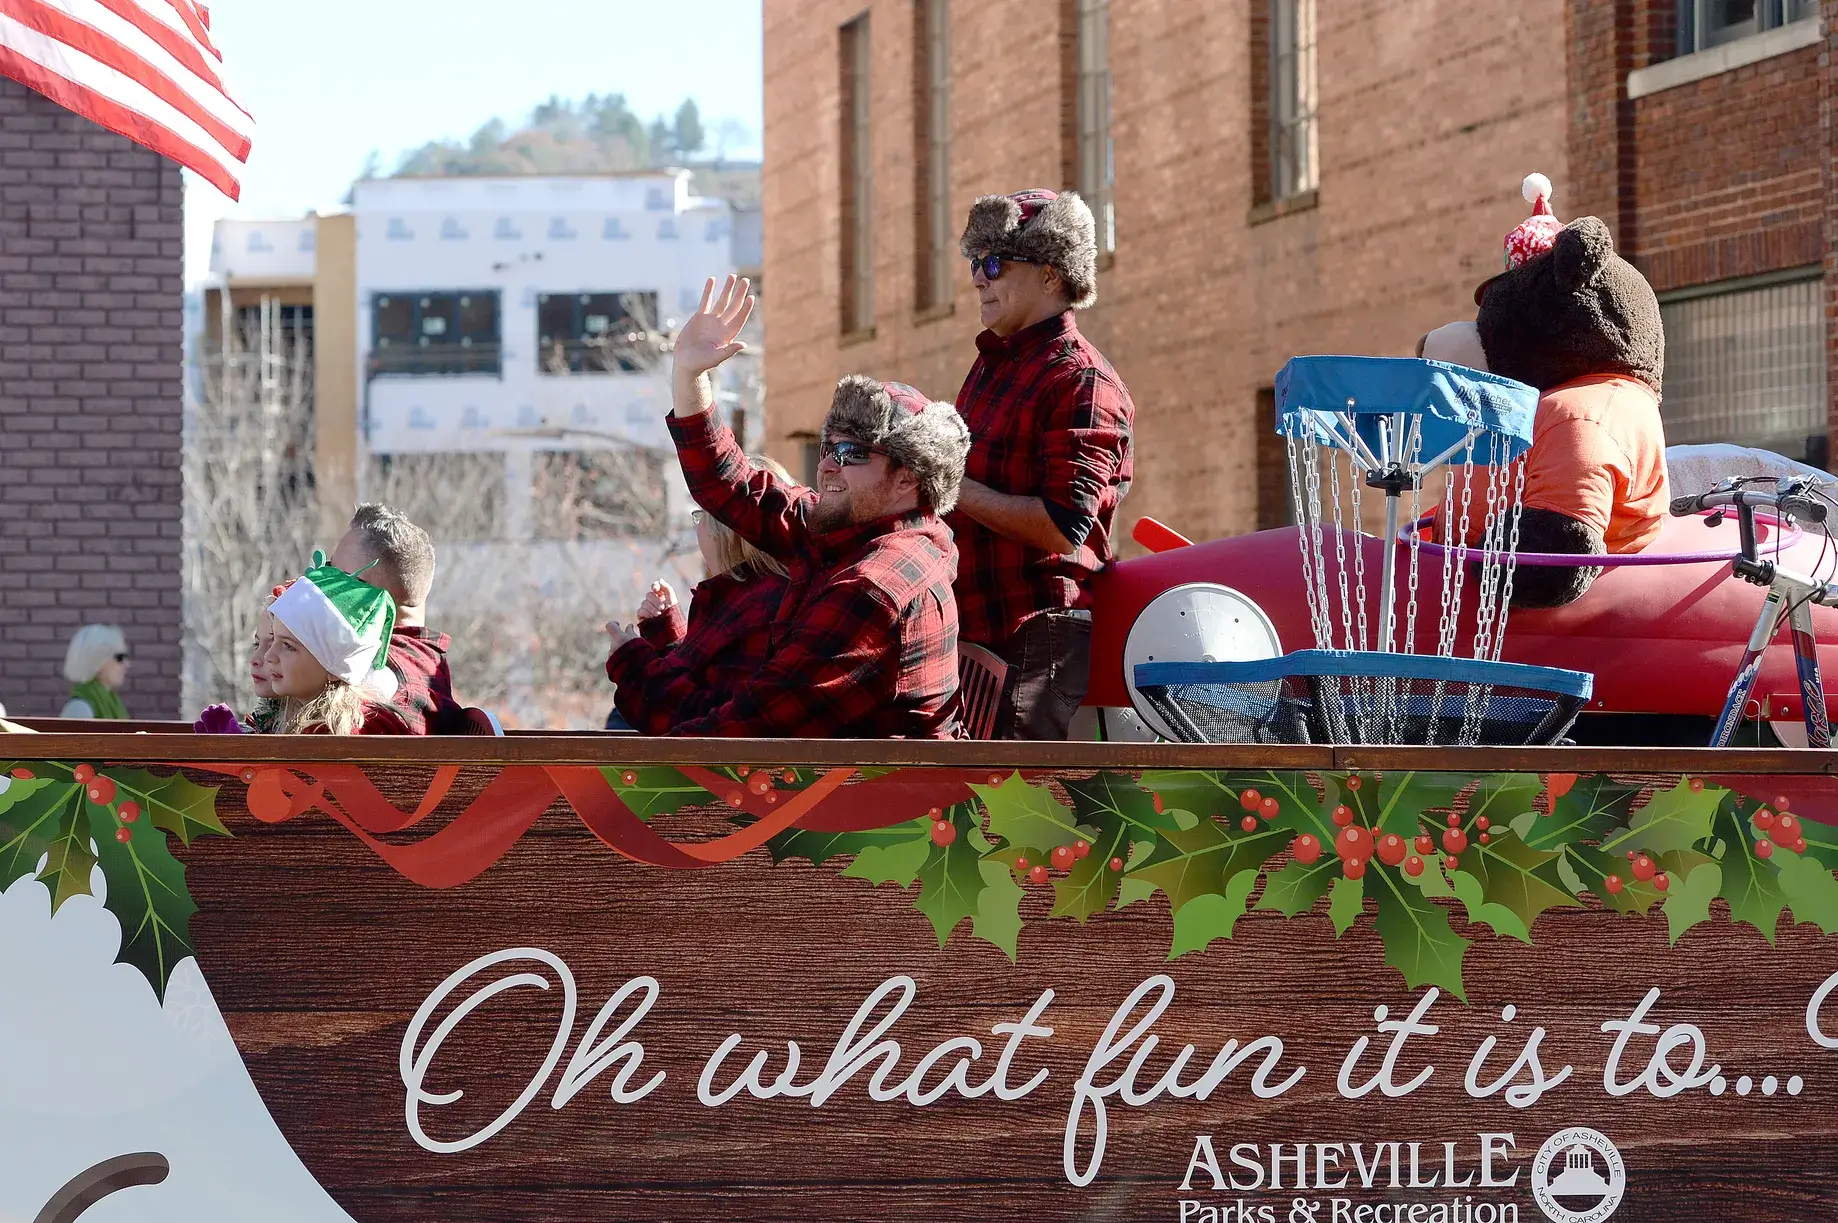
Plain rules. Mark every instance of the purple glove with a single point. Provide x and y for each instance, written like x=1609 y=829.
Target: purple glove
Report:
x=219 y=720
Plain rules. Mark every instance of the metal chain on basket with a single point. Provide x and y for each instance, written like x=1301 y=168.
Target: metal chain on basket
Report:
x=1480 y=696
x=1340 y=551
x=1516 y=508
x=1304 y=455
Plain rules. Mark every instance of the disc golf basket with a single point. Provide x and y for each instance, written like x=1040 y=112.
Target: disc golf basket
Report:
x=1360 y=428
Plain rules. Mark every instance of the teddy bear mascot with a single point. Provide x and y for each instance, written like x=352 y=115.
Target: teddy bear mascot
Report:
x=1578 y=322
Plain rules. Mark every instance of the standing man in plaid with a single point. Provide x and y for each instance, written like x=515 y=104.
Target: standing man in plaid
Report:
x=865 y=641
x=1050 y=454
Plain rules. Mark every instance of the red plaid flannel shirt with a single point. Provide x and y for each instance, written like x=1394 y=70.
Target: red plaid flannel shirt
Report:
x=424 y=684
x=1048 y=418
x=864 y=643
x=676 y=671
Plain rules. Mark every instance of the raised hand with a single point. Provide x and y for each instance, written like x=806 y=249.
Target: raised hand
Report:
x=658 y=600
x=711 y=335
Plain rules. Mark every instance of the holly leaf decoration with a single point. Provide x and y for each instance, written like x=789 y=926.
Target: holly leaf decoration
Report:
x=68 y=859
x=1346 y=901
x=174 y=803
x=1298 y=808
x=895 y=862
x=1187 y=864
x=1594 y=866
x=1211 y=916
x=1419 y=940
x=33 y=813
x=1397 y=803
x=1750 y=885
x=1509 y=874
x=1821 y=842
x=1503 y=798
x=654 y=789
x=147 y=895
x=1114 y=797
x=1810 y=888
x=1295 y=889
x=1589 y=811
x=1688 y=900
x=1091 y=884
x=1201 y=791
x=820 y=847
x=998 y=908
x=1672 y=819
x=951 y=880
x=1024 y=815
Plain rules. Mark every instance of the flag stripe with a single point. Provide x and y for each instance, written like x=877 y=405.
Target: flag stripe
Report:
x=169 y=36
x=198 y=29
x=104 y=96
x=116 y=53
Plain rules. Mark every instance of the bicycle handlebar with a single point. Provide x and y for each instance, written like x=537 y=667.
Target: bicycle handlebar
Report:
x=1787 y=499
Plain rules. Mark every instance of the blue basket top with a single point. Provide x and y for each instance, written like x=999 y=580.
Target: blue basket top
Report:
x=1578 y=684
x=1449 y=399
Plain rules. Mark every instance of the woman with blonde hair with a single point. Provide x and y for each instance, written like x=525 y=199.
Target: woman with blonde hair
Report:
x=679 y=668
x=96 y=664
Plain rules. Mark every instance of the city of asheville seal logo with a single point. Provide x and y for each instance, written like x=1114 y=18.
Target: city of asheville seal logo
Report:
x=1578 y=1176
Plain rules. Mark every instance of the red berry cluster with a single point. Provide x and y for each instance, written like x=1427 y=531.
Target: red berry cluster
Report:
x=1783 y=829
x=101 y=791
x=1255 y=805
x=1062 y=859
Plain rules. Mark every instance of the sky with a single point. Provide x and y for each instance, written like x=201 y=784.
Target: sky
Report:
x=330 y=81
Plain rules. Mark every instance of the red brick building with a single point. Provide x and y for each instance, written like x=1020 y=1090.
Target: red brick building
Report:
x=1701 y=131
x=90 y=416
x=1275 y=177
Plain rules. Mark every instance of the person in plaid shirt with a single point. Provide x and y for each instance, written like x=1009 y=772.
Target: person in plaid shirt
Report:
x=681 y=668
x=1051 y=424
x=864 y=644
x=384 y=549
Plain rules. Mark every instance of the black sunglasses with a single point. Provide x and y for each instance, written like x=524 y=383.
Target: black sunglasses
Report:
x=991 y=265
x=848 y=453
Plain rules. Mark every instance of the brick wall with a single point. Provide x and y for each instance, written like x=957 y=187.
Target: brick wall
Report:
x=90 y=239
x=1828 y=139
x=1431 y=113
x=1729 y=173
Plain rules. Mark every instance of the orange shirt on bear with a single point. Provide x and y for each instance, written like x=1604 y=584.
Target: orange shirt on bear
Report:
x=1599 y=456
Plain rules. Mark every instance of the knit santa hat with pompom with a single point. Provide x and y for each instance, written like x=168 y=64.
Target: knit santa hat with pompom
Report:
x=1535 y=235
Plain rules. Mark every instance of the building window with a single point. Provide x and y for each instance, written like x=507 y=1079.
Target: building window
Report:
x=935 y=248
x=1292 y=98
x=857 y=181
x=435 y=333
x=1745 y=363
x=597 y=333
x=1097 y=168
x=1703 y=24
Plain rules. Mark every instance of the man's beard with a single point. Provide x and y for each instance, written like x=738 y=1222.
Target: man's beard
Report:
x=833 y=513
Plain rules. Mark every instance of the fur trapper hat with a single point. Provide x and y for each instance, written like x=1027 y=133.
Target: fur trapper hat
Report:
x=1048 y=227
x=927 y=438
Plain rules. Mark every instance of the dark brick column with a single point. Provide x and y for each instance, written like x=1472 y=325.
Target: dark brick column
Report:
x=90 y=412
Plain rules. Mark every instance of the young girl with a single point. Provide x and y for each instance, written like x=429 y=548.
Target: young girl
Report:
x=327 y=658
x=679 y=669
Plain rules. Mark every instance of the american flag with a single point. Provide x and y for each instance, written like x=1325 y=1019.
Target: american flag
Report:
x=144 y=68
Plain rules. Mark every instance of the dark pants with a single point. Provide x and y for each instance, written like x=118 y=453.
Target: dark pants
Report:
x=1049 y=668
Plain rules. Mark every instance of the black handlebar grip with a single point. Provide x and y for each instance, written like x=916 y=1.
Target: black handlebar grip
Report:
x=1682 y=506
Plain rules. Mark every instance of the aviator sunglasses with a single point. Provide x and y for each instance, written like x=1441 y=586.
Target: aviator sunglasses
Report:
x=991 y=265
x=848 y=453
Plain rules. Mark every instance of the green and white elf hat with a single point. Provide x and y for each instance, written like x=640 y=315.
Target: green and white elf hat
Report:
x=344 y=623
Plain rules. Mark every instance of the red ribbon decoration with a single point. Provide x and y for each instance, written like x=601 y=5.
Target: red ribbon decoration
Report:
x=518 y=795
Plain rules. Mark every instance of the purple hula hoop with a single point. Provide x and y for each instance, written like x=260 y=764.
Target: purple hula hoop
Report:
x=1565 y=560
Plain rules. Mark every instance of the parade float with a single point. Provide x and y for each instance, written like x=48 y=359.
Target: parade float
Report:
x=1369 y=963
